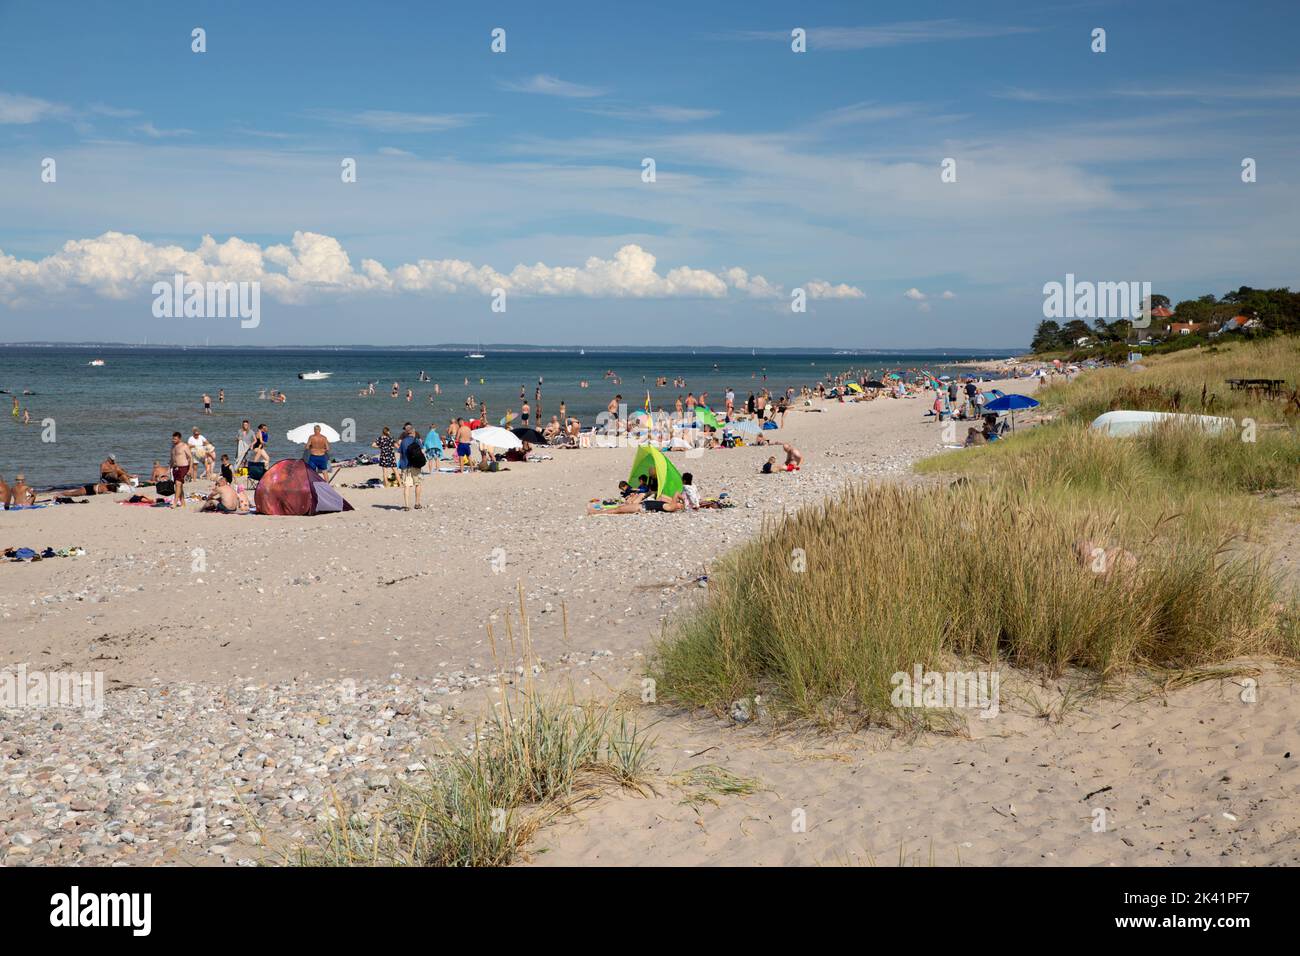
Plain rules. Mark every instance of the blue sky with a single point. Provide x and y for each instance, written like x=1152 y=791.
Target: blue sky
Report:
x=775 y=171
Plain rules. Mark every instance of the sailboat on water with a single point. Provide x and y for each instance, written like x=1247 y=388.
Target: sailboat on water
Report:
x=477 y=353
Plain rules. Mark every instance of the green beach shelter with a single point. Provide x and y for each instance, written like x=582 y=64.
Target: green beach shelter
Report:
x=650 y=460
x=704 y=415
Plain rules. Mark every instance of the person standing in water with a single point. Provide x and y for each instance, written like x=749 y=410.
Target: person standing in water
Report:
x=181 y=460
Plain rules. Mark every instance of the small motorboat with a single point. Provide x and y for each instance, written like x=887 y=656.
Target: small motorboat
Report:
x=95 y=362
x=315 y=376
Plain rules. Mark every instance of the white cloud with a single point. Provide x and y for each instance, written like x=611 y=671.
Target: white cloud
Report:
x=18 y=109
x=115 y=112
x=756 y=286
x=390 y=121
x=153 y=131
x=394 y=151
x=549 y=85
x=1259 y=88
x=666 y=114
x=915 y=294
x=866 y=112
x=890 y=34
x=948 y=295
x=119 y=266
x=818 y=289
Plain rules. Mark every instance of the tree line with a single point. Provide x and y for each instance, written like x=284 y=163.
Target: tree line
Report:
x=1278 y=310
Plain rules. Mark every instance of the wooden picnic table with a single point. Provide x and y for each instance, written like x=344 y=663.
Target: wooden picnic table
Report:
x=1272 y=387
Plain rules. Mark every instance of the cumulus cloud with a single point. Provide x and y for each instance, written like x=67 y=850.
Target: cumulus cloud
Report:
x=915 y=294
x=948 y=295
x=118 y=265
x=756 y=285
x=818 y=289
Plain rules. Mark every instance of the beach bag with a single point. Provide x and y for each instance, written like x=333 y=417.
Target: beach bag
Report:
x=166 y=487
x=415 y=456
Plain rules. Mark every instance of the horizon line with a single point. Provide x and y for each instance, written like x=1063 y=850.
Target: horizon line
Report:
x=524 y=346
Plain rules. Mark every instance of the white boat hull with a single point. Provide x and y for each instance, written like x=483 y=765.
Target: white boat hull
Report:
x=1120 y=424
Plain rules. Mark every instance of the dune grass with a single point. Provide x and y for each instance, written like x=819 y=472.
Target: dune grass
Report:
x=1197 y=376
x=481 y=808
x=827 y=604
x=535 y=756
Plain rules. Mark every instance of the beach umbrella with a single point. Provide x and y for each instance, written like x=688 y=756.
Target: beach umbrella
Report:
x=748 y=425
x=650 y=460
x=530 y=435
x=1011 y=403
x=855 y=386
x=495 y=437
x=300 y=434
x=705 y=416
x=874 y=384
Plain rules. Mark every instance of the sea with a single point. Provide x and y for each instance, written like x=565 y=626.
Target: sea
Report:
x=130 y=405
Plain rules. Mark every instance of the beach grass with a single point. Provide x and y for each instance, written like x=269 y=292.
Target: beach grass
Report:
x=1198 y=377
x=536 y=755
x=1055 y=550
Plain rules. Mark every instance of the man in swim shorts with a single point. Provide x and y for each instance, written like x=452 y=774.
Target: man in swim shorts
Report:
x=181 y=460
x=318 y=452
x=463 y=440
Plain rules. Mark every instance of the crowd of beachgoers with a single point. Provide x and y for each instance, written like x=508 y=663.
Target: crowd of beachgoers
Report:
x=471 y=442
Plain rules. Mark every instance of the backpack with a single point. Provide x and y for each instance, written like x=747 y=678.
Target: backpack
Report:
x=415 y=455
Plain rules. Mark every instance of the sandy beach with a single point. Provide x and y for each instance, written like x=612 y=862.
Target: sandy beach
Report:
x=253 y=667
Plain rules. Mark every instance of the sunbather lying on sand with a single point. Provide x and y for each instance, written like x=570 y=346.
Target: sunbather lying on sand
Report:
x=99 y=488
x=637 y=503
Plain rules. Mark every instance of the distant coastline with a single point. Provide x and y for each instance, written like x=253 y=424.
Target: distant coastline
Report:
x=541 y=349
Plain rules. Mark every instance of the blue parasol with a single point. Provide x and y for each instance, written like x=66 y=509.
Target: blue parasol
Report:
x=1011 y=403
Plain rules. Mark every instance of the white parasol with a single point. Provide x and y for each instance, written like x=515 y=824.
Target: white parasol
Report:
x=300 y=434
x=495 y=437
